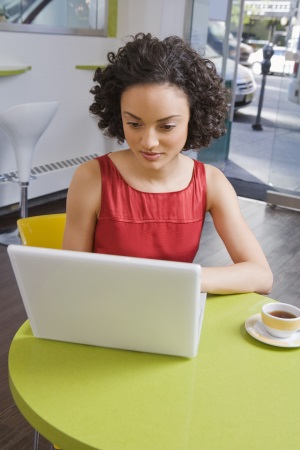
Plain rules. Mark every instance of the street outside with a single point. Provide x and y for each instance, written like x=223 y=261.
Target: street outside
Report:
x=270 y=156
x=277 y=110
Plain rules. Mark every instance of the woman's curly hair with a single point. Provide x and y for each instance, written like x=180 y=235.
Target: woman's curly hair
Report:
x=148 y=60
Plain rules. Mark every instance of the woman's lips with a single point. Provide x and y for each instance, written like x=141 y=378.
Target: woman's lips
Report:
x=151 y=156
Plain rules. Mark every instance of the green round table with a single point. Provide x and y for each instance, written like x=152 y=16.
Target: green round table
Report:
x=238 y=394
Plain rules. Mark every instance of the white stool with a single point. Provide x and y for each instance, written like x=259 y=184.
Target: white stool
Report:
x=24 y=125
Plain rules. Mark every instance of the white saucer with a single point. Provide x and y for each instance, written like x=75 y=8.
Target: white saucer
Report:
x=256 y=329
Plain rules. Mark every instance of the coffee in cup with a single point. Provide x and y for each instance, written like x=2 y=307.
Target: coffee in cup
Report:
x=281 y=319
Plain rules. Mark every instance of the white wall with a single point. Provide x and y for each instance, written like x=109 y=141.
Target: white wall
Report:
x=53 y=58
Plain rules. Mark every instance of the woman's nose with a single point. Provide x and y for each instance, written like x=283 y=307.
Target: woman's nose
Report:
x=149 y=139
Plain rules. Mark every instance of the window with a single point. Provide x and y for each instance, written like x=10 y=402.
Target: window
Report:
x=88 y=17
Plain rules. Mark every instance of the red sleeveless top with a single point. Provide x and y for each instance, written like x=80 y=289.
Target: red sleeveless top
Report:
x=149 y=225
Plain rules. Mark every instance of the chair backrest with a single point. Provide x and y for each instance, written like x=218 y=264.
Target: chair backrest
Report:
x=42 y=231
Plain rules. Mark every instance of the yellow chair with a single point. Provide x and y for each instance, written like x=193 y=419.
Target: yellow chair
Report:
x=42 y=231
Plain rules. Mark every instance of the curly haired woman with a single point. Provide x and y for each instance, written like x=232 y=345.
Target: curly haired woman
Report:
x=150 y=200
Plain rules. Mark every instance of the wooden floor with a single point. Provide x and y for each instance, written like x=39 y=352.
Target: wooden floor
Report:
x=278 y=231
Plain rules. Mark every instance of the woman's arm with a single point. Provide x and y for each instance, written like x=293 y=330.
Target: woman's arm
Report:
x=250 y=271
x=83 y=205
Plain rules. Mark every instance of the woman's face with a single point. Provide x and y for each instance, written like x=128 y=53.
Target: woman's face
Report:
x=155 y=121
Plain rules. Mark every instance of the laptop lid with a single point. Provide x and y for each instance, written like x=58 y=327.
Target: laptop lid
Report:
x=111 y=301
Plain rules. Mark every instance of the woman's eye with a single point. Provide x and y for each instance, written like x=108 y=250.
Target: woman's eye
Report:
x=133 y=124
x=168 y=126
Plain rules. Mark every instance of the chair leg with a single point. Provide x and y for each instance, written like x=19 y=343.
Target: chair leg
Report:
x=36 y=439
x=24 y=200
x=12 y=237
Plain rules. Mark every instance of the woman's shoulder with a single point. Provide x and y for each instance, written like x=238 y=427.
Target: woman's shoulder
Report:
x=91 y=170
x=214 y=174
x=85 y=189
x=219 y=189
x=87 y=173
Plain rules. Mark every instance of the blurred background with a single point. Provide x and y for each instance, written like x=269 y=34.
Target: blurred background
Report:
x=54 y=46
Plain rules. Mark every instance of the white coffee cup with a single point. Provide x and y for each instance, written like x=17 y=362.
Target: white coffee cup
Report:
x=281 y=319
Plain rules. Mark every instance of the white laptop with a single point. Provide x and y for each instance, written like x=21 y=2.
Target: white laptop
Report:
x=111 y=301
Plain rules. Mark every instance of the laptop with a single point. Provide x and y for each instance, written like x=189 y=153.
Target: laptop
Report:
x=111 y=301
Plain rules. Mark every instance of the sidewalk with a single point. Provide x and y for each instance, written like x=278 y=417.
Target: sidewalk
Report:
x=269 y=158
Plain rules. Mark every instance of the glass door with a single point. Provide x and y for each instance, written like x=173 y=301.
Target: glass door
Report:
x=284 y=175
x=221 y=44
